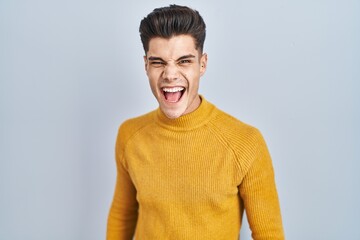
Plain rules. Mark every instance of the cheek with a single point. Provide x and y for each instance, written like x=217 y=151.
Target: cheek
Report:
x=152 y=83
x=154 y=74
x=150 y=74
x=191 y=73
x=193 y=77
x=153 y=80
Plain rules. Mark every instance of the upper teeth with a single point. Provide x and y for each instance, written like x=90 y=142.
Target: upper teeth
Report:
x=174 y=89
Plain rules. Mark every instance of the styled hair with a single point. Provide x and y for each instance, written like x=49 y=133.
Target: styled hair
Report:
x=167 y=22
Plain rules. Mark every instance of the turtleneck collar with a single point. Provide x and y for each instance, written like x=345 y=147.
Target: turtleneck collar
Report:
x=189 y=121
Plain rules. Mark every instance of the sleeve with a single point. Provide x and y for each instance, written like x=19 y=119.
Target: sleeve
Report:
x=124 y=208
x=259 y=194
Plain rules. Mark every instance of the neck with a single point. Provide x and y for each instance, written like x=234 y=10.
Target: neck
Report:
x=196 y=118
x=194 y=105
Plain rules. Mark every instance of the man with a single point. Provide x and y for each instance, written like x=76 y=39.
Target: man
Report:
x=188 y=170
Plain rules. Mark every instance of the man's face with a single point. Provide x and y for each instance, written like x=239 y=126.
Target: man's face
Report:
x=174 y=68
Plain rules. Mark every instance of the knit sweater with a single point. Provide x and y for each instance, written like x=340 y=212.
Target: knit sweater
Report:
x=191 y=178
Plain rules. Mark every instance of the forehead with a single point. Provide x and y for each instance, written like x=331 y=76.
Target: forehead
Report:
x=173 y=47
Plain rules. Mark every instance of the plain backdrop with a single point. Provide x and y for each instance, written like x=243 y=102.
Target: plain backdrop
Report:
x=71 y=71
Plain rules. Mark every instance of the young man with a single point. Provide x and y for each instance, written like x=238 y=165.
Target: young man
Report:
x=188 y=170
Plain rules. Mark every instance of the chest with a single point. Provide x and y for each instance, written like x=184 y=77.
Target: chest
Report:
x=184 y=169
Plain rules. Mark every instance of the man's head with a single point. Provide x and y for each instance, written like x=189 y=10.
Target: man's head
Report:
x=173 y=39
x=172 y=21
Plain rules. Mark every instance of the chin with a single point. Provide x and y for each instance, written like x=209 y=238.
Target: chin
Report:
x=173 y=113
x=173 y=110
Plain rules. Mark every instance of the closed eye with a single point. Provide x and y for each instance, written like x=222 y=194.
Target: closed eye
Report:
x=157 y=63
x=184 y=61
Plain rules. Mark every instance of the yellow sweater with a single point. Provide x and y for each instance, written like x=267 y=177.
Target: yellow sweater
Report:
x=191 y=178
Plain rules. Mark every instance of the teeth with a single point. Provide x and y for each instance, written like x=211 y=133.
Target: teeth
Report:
x=174 y=89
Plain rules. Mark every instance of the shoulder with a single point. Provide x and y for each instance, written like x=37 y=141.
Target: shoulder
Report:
x=132 y=126
x=232 y=127
x=245 y=140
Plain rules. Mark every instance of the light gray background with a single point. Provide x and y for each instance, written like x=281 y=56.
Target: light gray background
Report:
x=72 y=71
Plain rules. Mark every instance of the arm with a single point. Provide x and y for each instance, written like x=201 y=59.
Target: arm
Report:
x=124 y=209
x=258 y=191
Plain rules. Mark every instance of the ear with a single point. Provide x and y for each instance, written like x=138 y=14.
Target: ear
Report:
x=203 y=64
x=146 y=64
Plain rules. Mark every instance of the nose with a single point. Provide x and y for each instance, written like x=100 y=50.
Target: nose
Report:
x=171 y=72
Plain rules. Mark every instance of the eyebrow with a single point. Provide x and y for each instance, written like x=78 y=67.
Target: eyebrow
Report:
x=151 y=58
x=155 y=59
x=185 y=57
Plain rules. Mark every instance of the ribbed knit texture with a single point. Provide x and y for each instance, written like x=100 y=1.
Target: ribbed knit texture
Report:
x=191 y=178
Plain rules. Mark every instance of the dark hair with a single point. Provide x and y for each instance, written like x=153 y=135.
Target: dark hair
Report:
x=174 y=20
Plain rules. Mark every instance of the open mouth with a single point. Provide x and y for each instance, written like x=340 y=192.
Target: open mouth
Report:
x=173 y=94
